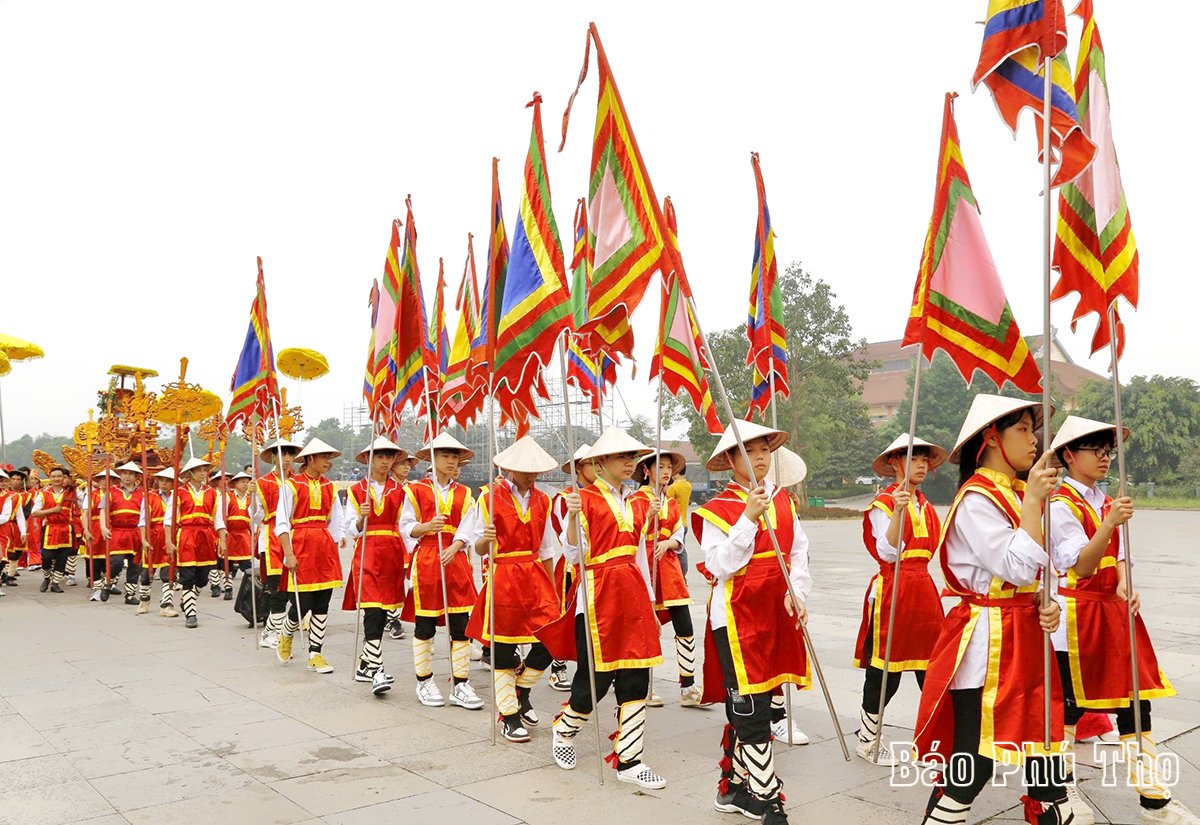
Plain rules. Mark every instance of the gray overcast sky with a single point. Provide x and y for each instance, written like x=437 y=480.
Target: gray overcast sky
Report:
x=151 y=150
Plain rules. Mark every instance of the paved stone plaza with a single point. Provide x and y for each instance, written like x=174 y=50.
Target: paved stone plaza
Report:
x=107 y=717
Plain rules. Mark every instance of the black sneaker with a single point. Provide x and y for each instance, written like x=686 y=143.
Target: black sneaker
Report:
x=228 y=594
x=45 y=585
x=191 y=621
x=395 y=629
x=740 y=801
x=105 y=593
x=215 y=591
x=131 y=600
x=54 y=588
x=527 y=713
x=513 y=730
x=775 y=814
x=485 y=661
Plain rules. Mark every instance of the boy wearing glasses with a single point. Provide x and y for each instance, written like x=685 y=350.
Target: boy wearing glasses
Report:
x=1091 y=644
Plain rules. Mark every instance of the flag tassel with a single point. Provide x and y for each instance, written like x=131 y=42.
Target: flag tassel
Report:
x=741 y=445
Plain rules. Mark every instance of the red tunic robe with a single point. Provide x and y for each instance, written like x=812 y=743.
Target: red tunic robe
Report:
x=239 y=539
x=95 y=548
x=523 y=591
x=670 y=586
x=1011 y=724
x=268 y=497
x=319 y=567
x=1098 y=625
x=379 y=554
x=156 y=533
x=919 y=609
x=619 y=616
x=57 y=528
x=562 y=577
x=196 y=535
x=125 y=539
x=425 y=598
x=767 y=648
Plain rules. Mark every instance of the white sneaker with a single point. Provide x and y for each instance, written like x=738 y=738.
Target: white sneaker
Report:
x=1173 y=813
x=643 y=776
x=268 y=639
x=884 y=757
x=654 y=700
x=429 y=695
x=464 y=696
x=95 y=596
x=780 y=731
x=563 y=751
x=690 y=697
x=475 y=651
x=380 y=684
x=1079 y=808
x=71 y=581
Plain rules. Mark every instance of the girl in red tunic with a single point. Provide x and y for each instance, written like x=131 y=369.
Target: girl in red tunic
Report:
x=983 y=697
x=753 y=642
x=564 y=573
x=198 y=537
x=608 y=524
x=515 y=515
x=310 y=523
x=239 y=548
x=401 y=467
x=672 y=599
x=899 y=521
x=373 y=523
x=433 y=518
x=1092 y=644
x=53 y=506
x=154 y=545
x=96 y=545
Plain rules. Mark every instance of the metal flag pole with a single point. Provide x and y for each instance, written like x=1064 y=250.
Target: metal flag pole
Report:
x=491 y=592
x=887 y=647
x=1133 y=650
x=368 y=503
x=1047 y=648
x=573 y=519
x=787 y=686
x=287 y=572
x=657 y=494
x=437 y=502
x=251 y=501
x=737 y=435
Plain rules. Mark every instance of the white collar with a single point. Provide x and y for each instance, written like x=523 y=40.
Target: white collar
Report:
x=1092 y=495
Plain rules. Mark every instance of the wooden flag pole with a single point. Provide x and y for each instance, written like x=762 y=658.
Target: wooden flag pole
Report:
x=741 y=446
x=1133 y=651
x=787 y=686
x=362 y=541
x=573 y=519
x=491 y=591
x=437 y=501
x=252 y=501
x=653 y=544
x=1047 y=647
x=287 y=572
x=887 y=647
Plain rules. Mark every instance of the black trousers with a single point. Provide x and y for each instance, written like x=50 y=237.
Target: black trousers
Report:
x=681 y=620
x=504 y=656
x=873 y=680
x=629 y=684
x=311 y=601
x=374 y=620
x=55 y=559
x=1072 y=713
x=100 y=565
x=425 y=627
x=750 y=714
x=193 y=577
x=164 y=573
x=277 y=600
x=969 y=772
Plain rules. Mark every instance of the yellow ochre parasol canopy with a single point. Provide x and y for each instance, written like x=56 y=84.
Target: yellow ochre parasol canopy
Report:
x=5 y=364
x=301 y=364
x=18 y=350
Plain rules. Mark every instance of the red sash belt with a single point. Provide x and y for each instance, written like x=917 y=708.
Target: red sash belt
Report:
x=1004 y=602
x=1089 y=595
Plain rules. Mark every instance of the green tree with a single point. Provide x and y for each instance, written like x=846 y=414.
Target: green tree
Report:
x=1163 y=416
x=824 y=411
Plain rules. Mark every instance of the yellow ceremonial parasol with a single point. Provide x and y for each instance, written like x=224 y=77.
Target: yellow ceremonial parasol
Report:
x=13 y=349
x=302 y=364
x=126 y=371
x=5 y=364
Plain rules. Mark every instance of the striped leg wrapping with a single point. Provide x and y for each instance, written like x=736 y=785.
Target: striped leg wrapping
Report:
x=506 y=692
x=685 y=655
x=289 y=627
x=372 y=654
x=1144 y=775
x=213 y=578
x=143 y=592
x=72 y=561
x=739 y=762
x=760 y=770
x=275 y=622
x=569 y=722
x=947 y=812
x=777 y=703
x=56 y=578
x=189 y=602
x=868 y=725
x=394 y=615
x=631 y=729
x=168 y=596
x=225 y=580
x=130 y=590
x=460 y=659
x=317 y=622
x=423 y=657
x=529 y=678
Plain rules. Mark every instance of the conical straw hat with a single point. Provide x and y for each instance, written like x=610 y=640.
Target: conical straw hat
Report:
x=129 y=467
x=749 y=430
x=937 y=455
x=270 y=451
x=380 y=445
x=580 y=454
x=792 y=469
x=194 y=464
x=525 y=456
x=242 y=474
x=678 y=462
x=316 y=446
x=444 y=441
x=987 y=408
x=167 y=473
x=1077 y=427
x=614 y=441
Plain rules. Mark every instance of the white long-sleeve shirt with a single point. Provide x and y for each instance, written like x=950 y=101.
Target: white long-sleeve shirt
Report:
x=572 y=553
x=408 y=517
x=218 y=516
x=7 y=514
x=474 y=522
x=287 y=507
x=980 y=544
x=1067 y=540
x=727 y=553
x=166 y=500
